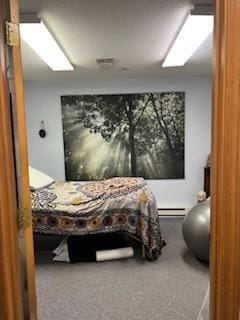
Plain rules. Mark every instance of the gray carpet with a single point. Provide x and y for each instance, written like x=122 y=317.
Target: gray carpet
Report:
x=173 y=287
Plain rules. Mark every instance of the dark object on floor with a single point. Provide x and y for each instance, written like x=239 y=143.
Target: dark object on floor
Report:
x=83 y=248
x=196 y=230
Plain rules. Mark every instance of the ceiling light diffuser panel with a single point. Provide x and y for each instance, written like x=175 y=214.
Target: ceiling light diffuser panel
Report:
x=194 y=31
x=37 y=36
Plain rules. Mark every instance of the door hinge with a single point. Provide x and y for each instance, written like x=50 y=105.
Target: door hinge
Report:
x=12 y=34
x=24 y=218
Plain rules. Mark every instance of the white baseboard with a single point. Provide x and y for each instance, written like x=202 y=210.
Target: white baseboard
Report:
x=173 y=212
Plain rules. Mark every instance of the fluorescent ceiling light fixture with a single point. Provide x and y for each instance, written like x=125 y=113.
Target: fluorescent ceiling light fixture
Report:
x=37 y=36
x=194 y=31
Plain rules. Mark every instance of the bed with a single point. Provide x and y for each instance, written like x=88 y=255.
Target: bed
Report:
x=117 y=204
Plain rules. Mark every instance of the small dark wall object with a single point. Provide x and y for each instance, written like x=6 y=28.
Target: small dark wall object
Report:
x=42 y=132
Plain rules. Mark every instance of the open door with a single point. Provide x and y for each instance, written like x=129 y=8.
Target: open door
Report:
x=14 y=169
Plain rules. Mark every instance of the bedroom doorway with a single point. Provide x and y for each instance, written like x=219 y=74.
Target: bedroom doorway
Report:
x=225 y=161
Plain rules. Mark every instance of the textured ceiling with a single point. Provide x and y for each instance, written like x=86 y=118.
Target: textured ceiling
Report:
x=136 y=33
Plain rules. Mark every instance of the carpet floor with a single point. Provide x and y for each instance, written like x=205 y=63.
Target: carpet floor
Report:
x=171 y=288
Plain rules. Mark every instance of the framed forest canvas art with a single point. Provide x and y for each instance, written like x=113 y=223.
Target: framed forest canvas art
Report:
x=124 y=135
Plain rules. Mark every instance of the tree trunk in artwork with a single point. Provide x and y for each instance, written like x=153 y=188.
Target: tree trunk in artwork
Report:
x=164 y=129
x=133 y=153
x=129 y=112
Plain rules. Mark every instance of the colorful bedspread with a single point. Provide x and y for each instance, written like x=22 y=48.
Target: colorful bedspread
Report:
x=117 y=204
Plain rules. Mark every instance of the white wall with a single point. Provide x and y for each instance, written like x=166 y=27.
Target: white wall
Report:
x=43 y=103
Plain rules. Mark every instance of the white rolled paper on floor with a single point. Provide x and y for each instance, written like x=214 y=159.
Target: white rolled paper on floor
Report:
x=114 y=254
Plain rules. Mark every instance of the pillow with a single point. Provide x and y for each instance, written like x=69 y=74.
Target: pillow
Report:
x=38 y=180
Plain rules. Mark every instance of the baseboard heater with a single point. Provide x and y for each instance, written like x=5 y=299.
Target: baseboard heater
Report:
x=172 y=211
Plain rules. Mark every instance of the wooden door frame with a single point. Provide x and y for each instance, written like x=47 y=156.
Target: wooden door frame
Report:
x=13 y=290
x=11 y=304
x=24 y=196
x=225 y=200
x=225 y=220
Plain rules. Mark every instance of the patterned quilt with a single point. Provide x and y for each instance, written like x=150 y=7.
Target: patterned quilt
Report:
x=116 y=204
